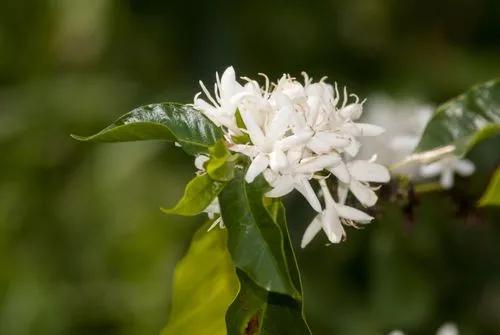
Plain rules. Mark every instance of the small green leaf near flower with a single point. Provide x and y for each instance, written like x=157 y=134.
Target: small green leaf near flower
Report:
x=199 y=193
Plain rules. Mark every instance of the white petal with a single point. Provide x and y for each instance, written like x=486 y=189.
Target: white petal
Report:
x=282 y=186
x=367 y=171
x=247 y=150
x=363 y=193
x=277 y=160
x=340 y=171
x=314 y=106
x=431 y=170
x=446 y=179
x=342 y=190
x=259 y=164
x=333 y=140
x=353 y=214
x=294 y=140
x=318 y=145
x=464 y=167
x=279 y=124
x=447 y=329
x=318 y=163
x=199 y=161
x=353 y=148
x=254 y=131
x=208 y=110
x=332 y=226
x=229 y=85
x=311 y=231
x=366 y=129
x=304 y=187
x=352 y=111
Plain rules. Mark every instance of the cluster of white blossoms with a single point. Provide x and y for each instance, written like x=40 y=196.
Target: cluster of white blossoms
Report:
x=294 y=133
x=405 y=122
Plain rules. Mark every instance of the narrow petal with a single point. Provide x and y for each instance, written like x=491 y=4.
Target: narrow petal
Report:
x=342 y=190
x=304 y=187
x=367 y=171
x=318 y=145
x=332 y=226
x=311 y=231
x=254 y=131
x=353 y=214
x=363 y=193
x=277 y=160
x=259 y=164
x=229 y=85
x=279 y=124
x=208 y=110
x=447 y=179
x=353 y=148
x=366 y=129
x=282 y=186
x=199 y=161
x=340 y=171
x=334 y=140
x=431 y=170
x=314 y=107
x=464 y=167
x=247 y=150
x=318 y=163
x=294 y=140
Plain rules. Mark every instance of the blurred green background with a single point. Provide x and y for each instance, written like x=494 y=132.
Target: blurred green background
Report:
x=84 y=248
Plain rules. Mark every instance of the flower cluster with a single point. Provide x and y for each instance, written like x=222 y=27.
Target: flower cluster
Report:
x=405 y=122
x=294 y=133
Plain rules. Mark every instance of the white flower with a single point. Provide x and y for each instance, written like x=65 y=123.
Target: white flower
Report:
x=356 y=179
x=268 y=145
x=446 y=168
x=448 y=329
x=213 y=209
x=297 y=133
x=404 y=121
x=222 y=109
x=332 y=218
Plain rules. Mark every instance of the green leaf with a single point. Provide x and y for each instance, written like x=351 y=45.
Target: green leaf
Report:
x=205 y=284
x=199 y=193
x=221 y=164
x=278 y=213
x=464 y=121
x=255 y=240
x=164 y=121
x=256 y=311
x=492 y=195
x=241 y=139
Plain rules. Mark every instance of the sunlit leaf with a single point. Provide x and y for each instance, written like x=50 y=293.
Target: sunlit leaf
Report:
x=205 y=284
x=199 y=193
x=492 y=195
x=164 y=121
x=255 y=240
x=464 y=121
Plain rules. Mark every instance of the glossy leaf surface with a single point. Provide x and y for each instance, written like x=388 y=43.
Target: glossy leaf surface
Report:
x=205 y=284
x=465 y=120
x=199 y=193
x=163 y=121
x=255 y=240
